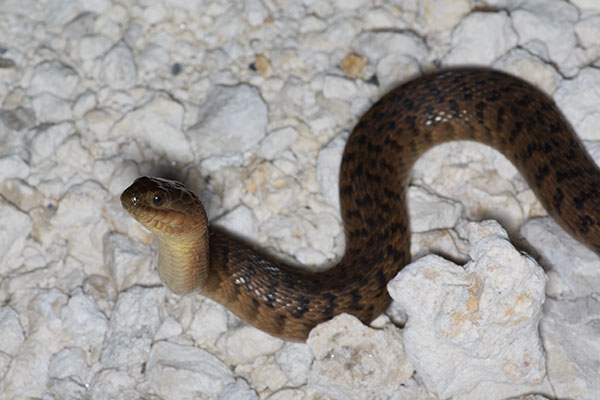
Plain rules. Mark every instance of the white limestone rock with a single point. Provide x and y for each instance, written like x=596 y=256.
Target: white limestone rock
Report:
x=84 y=103
x=349 y=4
x=481 y=319
x=213 y=164
x=353 y=360
x=51 y=109
x=233 y=120
x=591 y=5
x=28 y=372
x=298 y=394
x=277 y=141
x=445 y=14
x=193 y=6
x=102 y=290
x=263 y=374
x=255 y=12
x=17 y=6
x=328 y=169
x=11 y=330
x=481 y=178
x=588 y=31
x=280 y=227
x=92 y=46
x=379 y=18
x=99 y=122
x=22 y=195
x=158 y=125
x=152 y=57
x=46 y=270
x=17 y=119
x=129 y=262
x=85 y=322
x=295 y=360
x=110 y=384
x=239 y=390
x=74 y=156
x=247 y=343
x=60 y=179
x=64 y=389
x=570 y=334
x=574 y=269
x=240 y=220
x=430 y=212
x=335 y=34
x=59 y=13
x=54 y=77
x=81 y=25
x=275 y=190
x=96 y=6
x=15 y=227
x=580 y=100
x=209 y=322
x=470 y=46
x=118 y=68
x=525 y=65
x=552 y=24
x=133 y=323
x=307 y=239
x=169 y=328
x=339 y=87
x=185 y=372
x=46 y=140
x=376 y=45
x=308 y=256
x=79 y=206
x=70 y=363
x=321 y=231
x=155 y=12
x=125 y=101
x=394 y=69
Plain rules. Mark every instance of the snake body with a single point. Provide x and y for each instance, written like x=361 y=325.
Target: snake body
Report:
x=486 y=106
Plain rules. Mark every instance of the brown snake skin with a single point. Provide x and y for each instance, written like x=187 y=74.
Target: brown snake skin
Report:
x=462 y=104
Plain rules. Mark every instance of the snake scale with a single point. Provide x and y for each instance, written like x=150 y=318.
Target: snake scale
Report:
x=480 y=105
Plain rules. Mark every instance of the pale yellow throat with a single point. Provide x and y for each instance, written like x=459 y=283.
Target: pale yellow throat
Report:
x=183 y=262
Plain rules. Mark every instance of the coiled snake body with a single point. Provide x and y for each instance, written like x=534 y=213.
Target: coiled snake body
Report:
x=462 y=104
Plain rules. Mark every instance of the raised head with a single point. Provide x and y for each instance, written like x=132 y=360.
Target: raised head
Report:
x=176 y=215
x=165 y=207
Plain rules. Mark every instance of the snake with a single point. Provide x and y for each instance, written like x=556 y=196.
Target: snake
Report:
x=469 y=104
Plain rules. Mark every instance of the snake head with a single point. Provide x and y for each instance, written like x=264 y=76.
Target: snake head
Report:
x=163 y=206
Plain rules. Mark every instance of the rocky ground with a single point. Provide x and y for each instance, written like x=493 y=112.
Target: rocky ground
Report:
x=250 y=103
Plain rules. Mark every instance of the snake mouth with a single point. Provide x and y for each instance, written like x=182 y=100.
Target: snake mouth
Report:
x=165 y=222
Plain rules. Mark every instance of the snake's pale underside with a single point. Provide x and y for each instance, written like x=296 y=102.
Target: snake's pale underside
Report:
x=462 y=104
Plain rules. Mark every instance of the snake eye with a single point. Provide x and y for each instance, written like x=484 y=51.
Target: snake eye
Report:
x=158 y=199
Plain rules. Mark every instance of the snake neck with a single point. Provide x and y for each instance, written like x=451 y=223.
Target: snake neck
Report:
x=183 y=261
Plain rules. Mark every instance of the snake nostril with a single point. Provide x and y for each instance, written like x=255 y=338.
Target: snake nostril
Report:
x=134 y=199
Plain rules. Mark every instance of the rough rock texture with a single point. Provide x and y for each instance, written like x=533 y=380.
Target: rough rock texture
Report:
x=474 y=324
x=250 y=102
x=233 y=120
x=354 y=361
